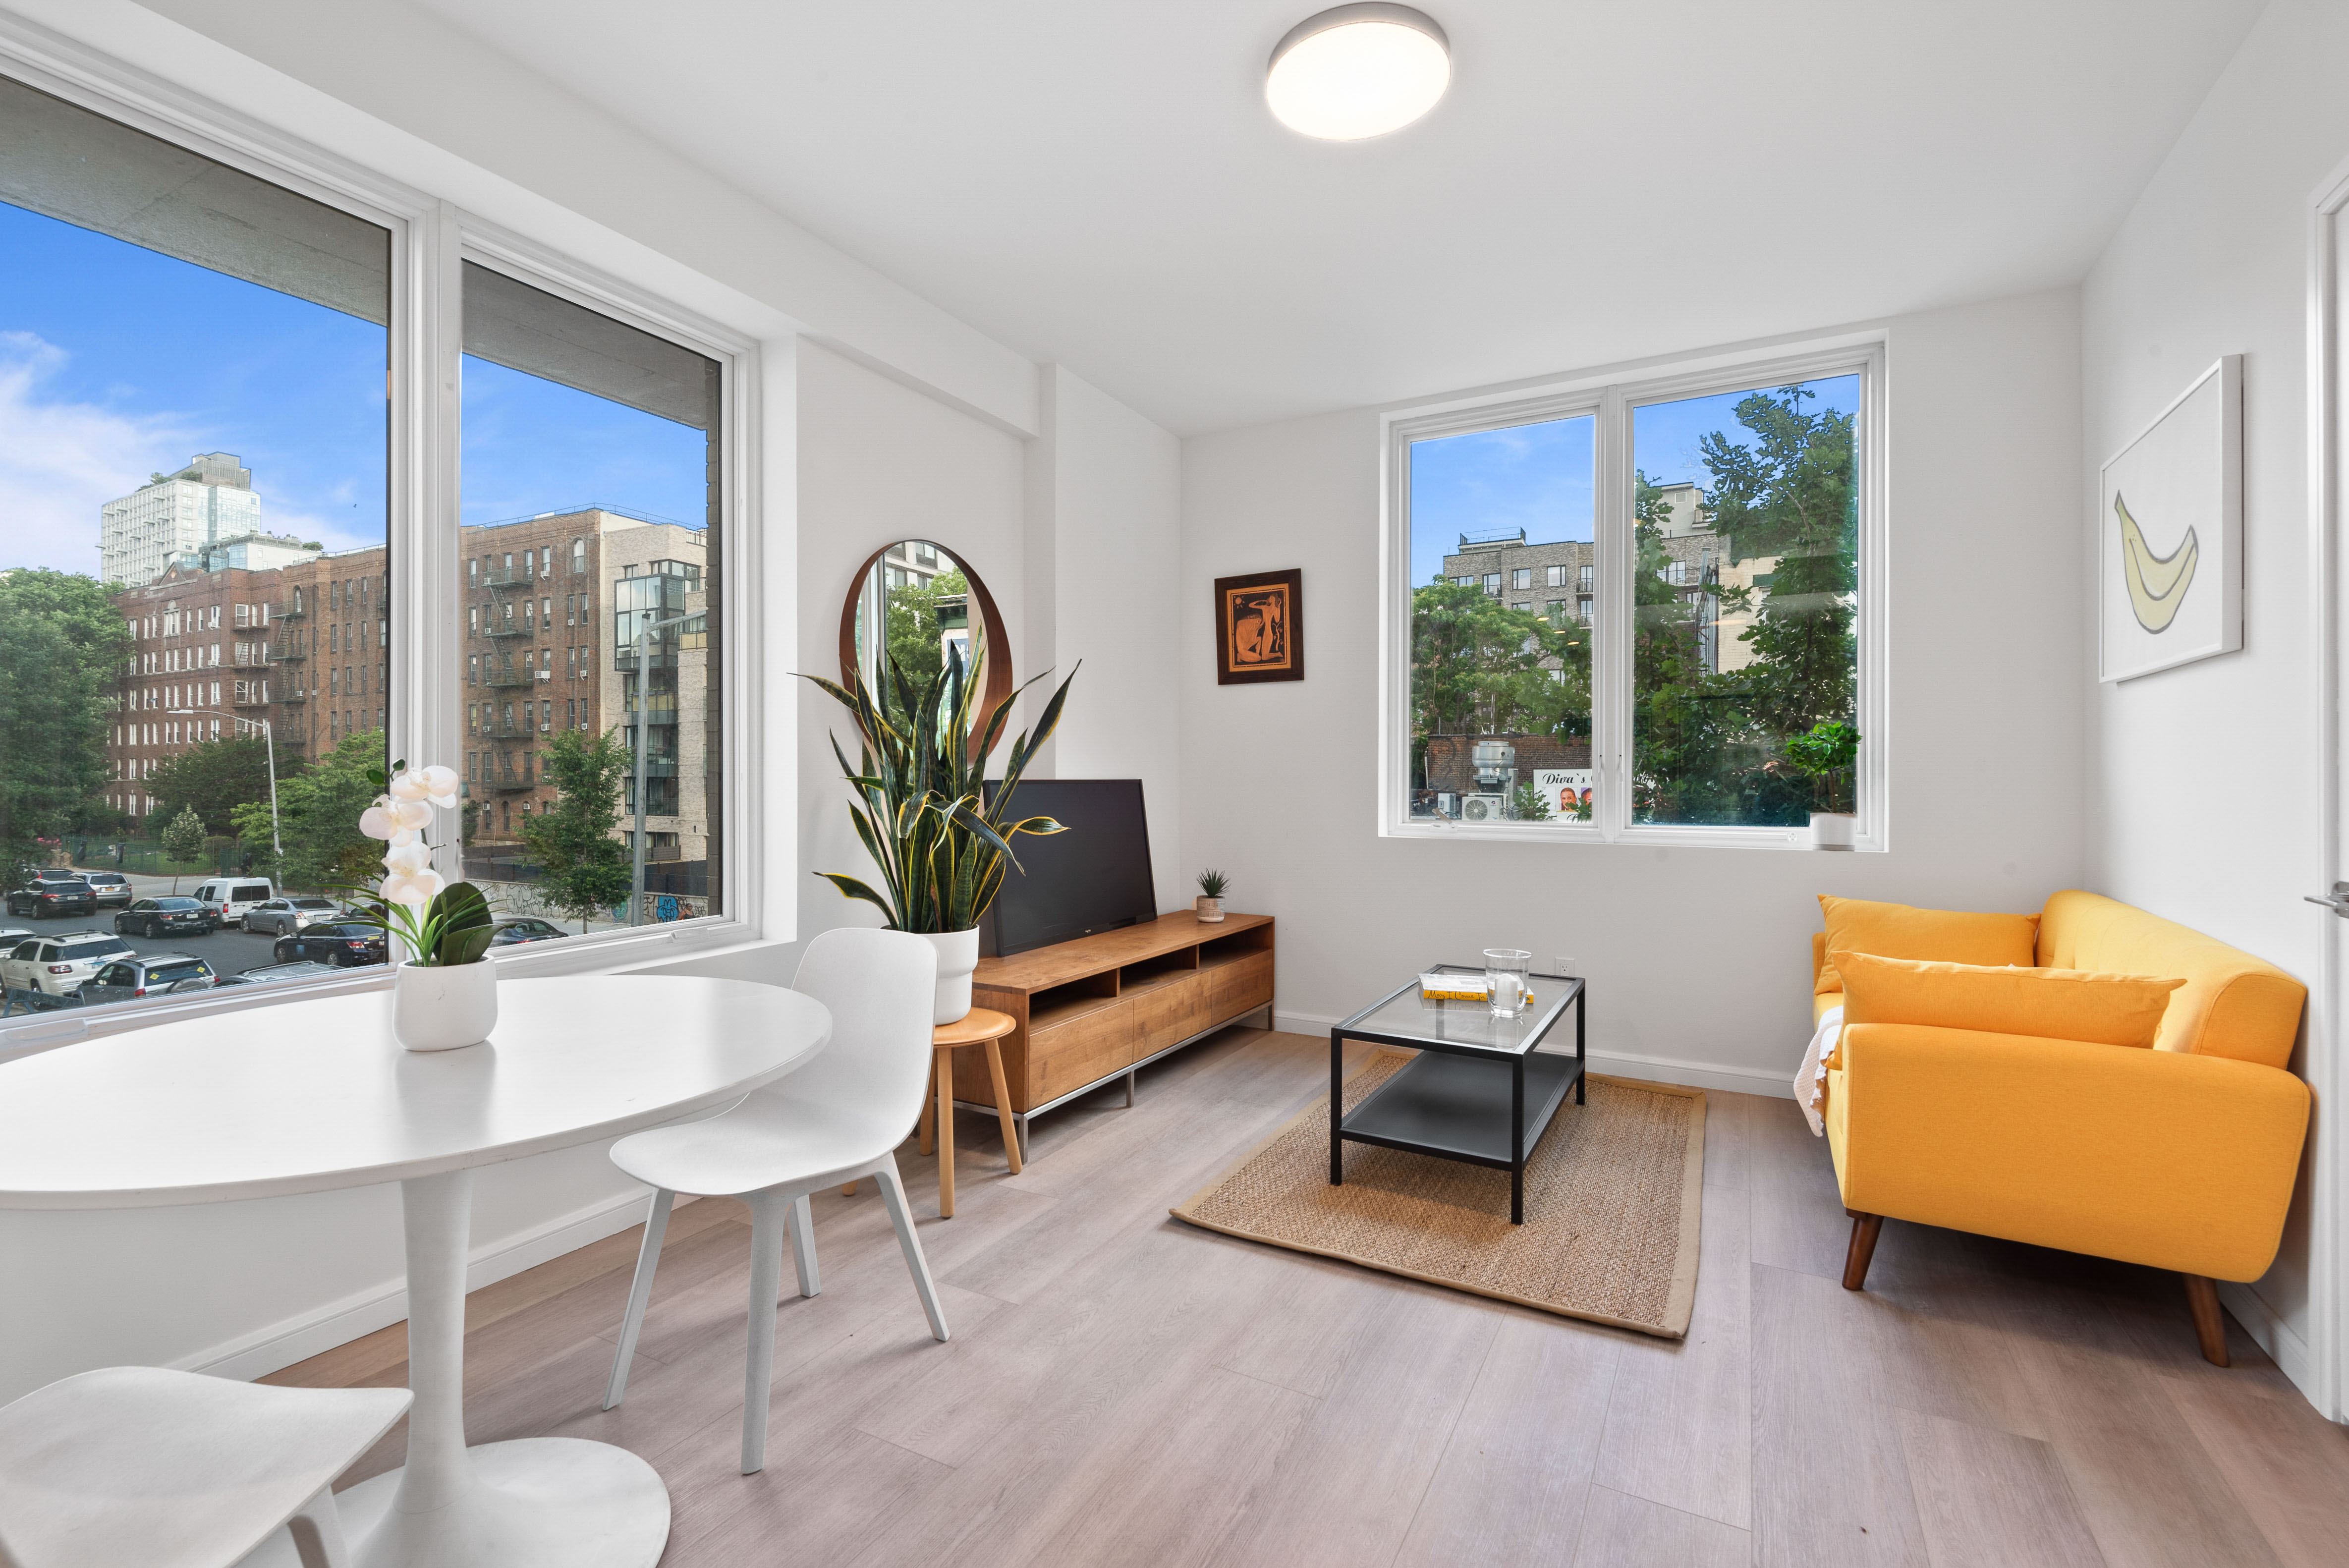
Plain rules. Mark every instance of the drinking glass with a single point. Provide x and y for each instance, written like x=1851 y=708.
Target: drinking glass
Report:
x=1505 y=972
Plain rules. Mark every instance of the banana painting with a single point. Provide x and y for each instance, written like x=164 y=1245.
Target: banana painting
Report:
x=2156 y=584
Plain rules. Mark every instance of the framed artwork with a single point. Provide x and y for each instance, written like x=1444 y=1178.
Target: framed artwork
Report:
x=1260 y=628
x=2170 y=533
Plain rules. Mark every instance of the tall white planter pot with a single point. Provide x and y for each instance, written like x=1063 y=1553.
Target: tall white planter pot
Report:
x=1833 y=829
x=444 y=1007
x=957 y=957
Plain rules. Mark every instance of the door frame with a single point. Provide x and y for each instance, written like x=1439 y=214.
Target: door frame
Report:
x=2328 y=404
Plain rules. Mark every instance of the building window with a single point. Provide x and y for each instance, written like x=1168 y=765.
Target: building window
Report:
x=1521 y=577
x=1493 y=584
x=1722 y=608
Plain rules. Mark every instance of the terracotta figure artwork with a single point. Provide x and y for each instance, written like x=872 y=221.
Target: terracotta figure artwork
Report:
x=1259 y=628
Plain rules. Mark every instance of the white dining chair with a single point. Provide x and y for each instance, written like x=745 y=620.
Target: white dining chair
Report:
x=138 y=1465
x=837 y=1120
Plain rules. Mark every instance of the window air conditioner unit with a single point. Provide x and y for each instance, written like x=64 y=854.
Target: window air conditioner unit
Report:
x=1483 y=807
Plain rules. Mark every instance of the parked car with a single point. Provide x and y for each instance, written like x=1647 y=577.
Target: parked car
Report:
x=271 y=973
x=45 y=900
x=55 y=873
x=156 y=916
x=516 y=928
x=285 y=916
x=58 y=965
x=342 y=944
x=145 y=974
x=111 y=888
x=231 y=898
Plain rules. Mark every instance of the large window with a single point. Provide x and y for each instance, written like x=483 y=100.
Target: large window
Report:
x=1638 y=611
x=597 y=801
x=194 y=563
x=290 y=494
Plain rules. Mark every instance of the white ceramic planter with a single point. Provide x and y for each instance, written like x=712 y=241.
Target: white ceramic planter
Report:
x=1210 y=909
x=445 y=1007
x=957 y=957
x=1833 y=829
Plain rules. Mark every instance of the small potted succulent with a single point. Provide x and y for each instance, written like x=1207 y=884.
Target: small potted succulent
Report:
x=444 y=991
x=1210 y=901
x=1827 y=752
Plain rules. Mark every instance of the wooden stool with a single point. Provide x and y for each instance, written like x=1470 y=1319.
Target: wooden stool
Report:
x=983 y=1026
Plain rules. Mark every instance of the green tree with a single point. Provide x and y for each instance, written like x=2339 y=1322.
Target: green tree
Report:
x=1792 y=495
x=215 y=777
x=183 y=839
x=1478 y=668
x=584 y=869
x=63 y=647
x=318 y=814
x=911 y=632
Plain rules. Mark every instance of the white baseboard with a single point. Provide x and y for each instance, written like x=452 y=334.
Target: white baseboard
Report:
x=2287 y=1349
x=312 y=1333
x=1727 y=1078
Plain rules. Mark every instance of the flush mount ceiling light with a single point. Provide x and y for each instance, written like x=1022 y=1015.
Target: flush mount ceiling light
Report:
x=1358 y=70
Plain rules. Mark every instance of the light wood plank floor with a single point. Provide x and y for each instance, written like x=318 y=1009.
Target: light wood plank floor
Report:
x=1123 y=1389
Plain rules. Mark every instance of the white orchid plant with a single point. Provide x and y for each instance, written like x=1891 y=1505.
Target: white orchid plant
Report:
x=438 y=921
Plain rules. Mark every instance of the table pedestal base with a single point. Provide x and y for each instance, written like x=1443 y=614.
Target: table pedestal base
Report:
x=537 y=1502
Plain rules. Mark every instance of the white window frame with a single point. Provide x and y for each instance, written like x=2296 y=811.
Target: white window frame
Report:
x=431 y=240
x=1609 y=399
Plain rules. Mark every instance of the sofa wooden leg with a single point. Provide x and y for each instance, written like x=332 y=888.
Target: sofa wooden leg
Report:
x=1864 y=1229
x=2209 y=1321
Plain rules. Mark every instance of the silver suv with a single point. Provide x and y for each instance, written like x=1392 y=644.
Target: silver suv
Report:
x=145 y=974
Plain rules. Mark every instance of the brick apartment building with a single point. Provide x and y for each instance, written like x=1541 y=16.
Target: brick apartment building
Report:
x=550 y=603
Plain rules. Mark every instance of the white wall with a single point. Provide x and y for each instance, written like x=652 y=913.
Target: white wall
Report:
x=1105 y=552
x=2203 y=797
x=1698 y=959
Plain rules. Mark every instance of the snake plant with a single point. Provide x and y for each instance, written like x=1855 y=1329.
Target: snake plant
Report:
x=922 y=810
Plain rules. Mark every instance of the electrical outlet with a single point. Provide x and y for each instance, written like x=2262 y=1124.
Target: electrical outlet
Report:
x=1564 y=966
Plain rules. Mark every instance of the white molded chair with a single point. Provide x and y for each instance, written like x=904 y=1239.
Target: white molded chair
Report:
x=138 y=1465
x=836 y=1120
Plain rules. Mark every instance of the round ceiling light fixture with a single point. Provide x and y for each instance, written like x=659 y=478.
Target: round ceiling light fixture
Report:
x=1357 y=71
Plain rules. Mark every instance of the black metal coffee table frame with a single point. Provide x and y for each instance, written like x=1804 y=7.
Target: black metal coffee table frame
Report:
x=1452 y=1098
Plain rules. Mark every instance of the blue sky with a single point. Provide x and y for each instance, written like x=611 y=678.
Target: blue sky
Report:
x=117 y=362
x=1538 y=477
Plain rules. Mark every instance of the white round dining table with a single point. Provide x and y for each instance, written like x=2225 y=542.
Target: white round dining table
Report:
x=309 y=1096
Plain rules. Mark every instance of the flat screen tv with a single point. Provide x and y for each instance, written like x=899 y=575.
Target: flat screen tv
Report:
x=1094 y=877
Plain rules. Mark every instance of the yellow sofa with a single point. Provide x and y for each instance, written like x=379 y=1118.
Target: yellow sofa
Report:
x=2181 y=1157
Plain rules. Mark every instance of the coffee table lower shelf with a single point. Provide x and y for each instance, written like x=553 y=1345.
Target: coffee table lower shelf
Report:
x=1457 y=1108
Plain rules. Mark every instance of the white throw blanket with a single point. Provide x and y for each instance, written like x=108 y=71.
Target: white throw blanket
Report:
x=1811 y=1077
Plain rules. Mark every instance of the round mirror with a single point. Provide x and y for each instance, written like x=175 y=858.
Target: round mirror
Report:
x=916 y=604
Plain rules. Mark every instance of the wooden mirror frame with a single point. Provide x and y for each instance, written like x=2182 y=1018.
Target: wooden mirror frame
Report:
x=995 y=639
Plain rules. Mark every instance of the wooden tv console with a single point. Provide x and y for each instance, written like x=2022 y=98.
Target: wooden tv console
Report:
x=1100 y=1007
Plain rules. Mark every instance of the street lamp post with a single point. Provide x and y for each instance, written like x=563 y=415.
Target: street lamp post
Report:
x=644 y=634
x=269 y=744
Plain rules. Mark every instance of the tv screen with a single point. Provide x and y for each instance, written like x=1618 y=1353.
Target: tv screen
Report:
x=1094 y=877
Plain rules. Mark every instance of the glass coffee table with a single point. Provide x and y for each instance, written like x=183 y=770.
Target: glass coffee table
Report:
x=1477 y=1092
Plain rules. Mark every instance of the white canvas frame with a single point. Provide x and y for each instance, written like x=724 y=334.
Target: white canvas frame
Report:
x=2226 y=557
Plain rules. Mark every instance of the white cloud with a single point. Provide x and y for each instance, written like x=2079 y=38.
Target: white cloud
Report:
x=60 y=461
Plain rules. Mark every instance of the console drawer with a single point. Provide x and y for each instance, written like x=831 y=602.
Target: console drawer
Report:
x=1171 y=1012
x=1239 y=986
x=1070 y=1056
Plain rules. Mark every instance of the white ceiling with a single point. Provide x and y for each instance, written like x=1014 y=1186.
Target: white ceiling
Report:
x=1098 y=182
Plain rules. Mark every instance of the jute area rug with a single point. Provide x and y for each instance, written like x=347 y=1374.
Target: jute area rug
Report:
x=1612 y=1197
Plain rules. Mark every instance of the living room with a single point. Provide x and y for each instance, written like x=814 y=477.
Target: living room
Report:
x=1068 y=325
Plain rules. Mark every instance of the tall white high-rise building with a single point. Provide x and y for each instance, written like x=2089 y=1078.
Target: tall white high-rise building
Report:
x=176 y=516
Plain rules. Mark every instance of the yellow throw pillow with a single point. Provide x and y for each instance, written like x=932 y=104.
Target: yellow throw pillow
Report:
x=1940 y=936
x=2050 y=1004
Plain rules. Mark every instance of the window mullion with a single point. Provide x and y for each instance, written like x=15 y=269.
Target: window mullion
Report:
x=1611 y=679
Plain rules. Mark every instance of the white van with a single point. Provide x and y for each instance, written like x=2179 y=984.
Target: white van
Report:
x=230 y=897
